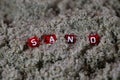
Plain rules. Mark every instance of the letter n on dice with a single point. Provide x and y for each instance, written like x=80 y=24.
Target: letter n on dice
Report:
x=70 y=38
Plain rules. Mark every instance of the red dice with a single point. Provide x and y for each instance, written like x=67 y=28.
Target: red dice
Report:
x=49 y=39
x=94 y=39
x=33 y=42
x=70 y=38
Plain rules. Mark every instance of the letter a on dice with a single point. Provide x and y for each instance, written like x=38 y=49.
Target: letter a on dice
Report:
x=70 y=38
x=33 y=42
x=94 y=39
x=49 y=39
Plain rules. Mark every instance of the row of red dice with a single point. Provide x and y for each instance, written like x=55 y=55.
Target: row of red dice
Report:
x=35 y=41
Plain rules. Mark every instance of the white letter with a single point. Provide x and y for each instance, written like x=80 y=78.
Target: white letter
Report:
x=34 y=43
x=51 y=39
x=93 y=40
x=70 y=39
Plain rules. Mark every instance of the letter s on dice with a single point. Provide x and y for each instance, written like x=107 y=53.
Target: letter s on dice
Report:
x=33 y=42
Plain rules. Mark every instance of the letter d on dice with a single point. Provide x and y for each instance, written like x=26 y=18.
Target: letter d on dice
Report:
x=94 y=39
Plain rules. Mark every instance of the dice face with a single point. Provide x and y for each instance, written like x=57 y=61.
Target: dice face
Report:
x=49 y=39
x=70 y=38
x=33 y=42
x=94 y=39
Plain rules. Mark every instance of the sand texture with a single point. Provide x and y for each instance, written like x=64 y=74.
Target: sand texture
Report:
x=21 y=19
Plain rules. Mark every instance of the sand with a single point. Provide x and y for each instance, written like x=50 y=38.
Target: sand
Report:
x=22 y=19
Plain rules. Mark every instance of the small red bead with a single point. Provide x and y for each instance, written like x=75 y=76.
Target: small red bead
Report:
x=94 y=39
x=70 y=38
x=33 y=42
x=49 y=39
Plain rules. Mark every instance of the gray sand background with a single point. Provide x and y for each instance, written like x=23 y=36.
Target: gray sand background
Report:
x=21 y=19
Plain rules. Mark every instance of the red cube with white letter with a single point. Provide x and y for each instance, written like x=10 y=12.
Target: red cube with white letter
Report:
x=94 y=39
x=33 y=42
x=49 y=39
x=70 y=38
